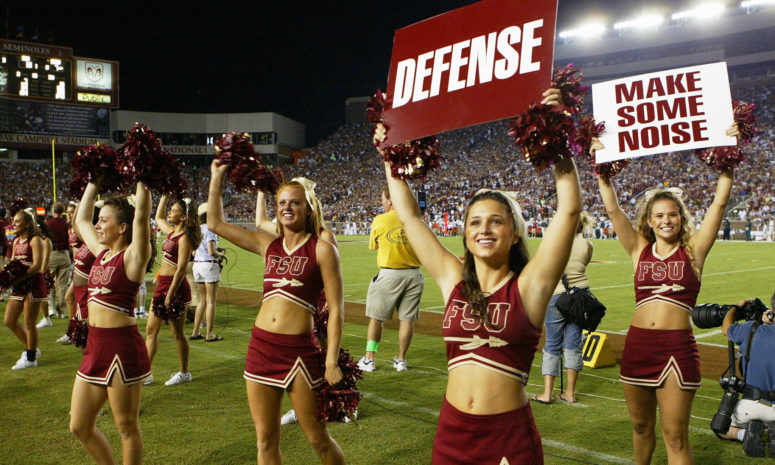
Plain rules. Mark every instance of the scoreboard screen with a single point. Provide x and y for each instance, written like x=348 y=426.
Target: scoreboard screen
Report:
x=36 y=77
x=46 y=72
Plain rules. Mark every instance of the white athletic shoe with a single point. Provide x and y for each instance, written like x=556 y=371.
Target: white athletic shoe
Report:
x=289 y=418
x=141 y=314
x=45 y=322
x=52 y=313
x=399 y=365
x=179 y=378
x=23 y=363
x=366 y=365
x=148 y=380
x=64 y=340
x=355 y=416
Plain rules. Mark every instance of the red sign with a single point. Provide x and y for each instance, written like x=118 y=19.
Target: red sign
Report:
x=480 y=63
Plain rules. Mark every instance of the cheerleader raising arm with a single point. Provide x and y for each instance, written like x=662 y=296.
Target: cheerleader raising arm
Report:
x=542 y=273
x=703 y=240
x=262 y=218
x=630 y=239
x=83 y=218
x=444 y=267
x=253 y=241
x=139 y=251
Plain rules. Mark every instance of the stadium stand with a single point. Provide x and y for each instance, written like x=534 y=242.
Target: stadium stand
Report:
x=479 y=156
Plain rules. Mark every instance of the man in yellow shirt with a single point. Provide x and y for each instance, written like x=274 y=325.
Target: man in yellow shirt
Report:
x=397 y=287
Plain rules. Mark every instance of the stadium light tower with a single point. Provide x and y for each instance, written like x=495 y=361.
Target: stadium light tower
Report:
x=704 y=11
x=642 y=22
x=586 y=31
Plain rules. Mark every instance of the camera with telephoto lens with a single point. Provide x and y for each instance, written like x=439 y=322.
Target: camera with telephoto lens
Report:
x=722 y=420
x=712 y=315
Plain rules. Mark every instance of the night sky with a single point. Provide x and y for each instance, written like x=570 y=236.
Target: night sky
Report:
x=301 y=59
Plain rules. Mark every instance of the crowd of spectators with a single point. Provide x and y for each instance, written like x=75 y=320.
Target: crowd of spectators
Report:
x=350 y=175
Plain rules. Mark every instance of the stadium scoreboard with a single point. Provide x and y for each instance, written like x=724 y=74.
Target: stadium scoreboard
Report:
x=30 y=70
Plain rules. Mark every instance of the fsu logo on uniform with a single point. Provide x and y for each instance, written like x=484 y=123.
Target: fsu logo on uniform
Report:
x=94 y=71
x=286 y=265
x=497 y=311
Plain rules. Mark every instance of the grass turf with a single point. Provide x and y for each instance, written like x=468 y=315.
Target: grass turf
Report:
x=207 y=421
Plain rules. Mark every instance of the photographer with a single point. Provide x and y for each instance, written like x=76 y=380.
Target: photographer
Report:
x=755 y=412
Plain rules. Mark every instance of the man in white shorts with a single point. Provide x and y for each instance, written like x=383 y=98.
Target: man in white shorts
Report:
x=397 y=287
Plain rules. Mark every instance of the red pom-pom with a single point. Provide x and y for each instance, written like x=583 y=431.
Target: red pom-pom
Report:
x=745 y=119
x=726 y=157
x=176 y=309
x=49 y=279
x=413 y=159
x=78 y=332
x=335 y=403
x=546 y=133
x=11 y=272
x=246 y=171
x=376 y=107
x=609 y=169
x=90 y=163
x=587 y=130
x=340 y=401
x=721 y=158
x=141 y=158
x=16 y=206
x=568 y=80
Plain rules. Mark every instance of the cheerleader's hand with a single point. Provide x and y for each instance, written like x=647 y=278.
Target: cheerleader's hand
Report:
x=217 y=170
x=733 y=131
x=552 y=96
x=333 y=374
x=596 y=145
x=167 y=300
x=380 y=134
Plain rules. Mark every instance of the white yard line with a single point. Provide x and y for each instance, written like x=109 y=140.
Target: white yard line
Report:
x=607 y=458
x=715 y=332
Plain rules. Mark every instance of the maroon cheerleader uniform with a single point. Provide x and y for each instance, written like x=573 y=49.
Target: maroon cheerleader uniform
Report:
x=73 y=240
x=38 y=293
x=169 y=250
x=651 y=355
x=81 y=267
x=506 y=347
x=169 y=255
x=113 y=350
x=275 y=359
x=293 y=274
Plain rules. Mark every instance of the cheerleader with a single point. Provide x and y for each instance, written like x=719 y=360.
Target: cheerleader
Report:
x=29 y=290
x=496 y=301
x=115 y=361
x=181 y=226
x=660 y=362
x=282 y=355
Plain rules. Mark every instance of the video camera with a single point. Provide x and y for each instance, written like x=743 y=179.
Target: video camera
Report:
x=712 y=315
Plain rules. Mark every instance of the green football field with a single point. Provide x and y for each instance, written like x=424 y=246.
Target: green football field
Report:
x=207 y=421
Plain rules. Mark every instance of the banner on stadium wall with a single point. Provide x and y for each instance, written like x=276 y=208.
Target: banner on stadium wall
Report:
x=680 y=109
x=480 y=63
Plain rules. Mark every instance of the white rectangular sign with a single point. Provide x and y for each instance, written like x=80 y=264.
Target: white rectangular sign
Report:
x=93 y=74
x=679 y=109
